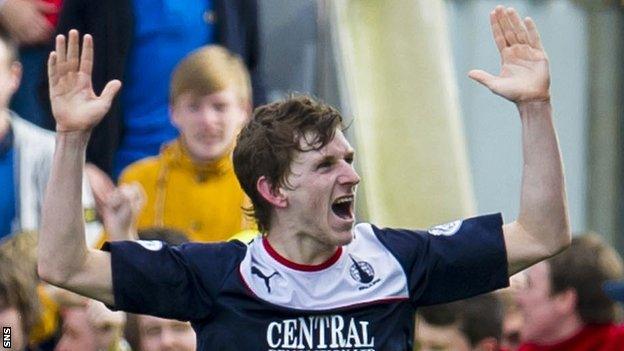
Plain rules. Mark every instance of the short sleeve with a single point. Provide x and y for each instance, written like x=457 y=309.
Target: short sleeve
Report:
x=452 y=261
x=177 y=282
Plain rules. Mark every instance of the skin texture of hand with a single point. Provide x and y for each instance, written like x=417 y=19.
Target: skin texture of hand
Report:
x=524 y=75
x=119 y=207
x=101 y=184
x=120 y=211
x=26 y=22
x=75 y=106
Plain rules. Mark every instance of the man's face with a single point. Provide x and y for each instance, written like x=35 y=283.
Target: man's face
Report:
x=77 y=332
x=10 y=74
x=209 y=124
x=440 y=338
x=10 y=317
x=321 y=196
x=159 y=334
x=538 y=306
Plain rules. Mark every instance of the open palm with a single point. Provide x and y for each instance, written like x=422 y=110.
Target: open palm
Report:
x=75 y=105
x=524 y=74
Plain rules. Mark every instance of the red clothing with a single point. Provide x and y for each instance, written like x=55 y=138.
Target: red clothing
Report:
x=53 y=17
x=602 y=337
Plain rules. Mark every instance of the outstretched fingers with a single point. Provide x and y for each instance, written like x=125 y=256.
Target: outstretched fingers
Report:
x=52 y=71
x=110 y=90
x=73 y=49
x=86 y=58
x=505 y=24
x=60 y=55
x=534 y=38
x=497 y=32
x=482 y=77
x=521 y=32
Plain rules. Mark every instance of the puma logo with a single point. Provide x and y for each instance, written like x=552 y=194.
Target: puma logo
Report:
x=256 y=271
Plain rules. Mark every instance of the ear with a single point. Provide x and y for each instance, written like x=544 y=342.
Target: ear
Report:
x=247 y=107
x=274 y=197
x=567 y=301
x=174 y=115
x=243 y=114
x=487 y=344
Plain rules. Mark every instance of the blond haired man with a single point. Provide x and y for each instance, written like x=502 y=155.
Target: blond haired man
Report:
x=191 y=185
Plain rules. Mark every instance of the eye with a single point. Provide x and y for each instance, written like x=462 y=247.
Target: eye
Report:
x=349 y=159
x=324 y=164
x=193 y=107
x=220 y=107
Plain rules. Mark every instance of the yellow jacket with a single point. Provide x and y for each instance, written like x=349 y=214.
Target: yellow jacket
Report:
x=203 y=201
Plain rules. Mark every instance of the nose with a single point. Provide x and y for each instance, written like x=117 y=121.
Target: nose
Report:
x=209 y=118
x=349 y=176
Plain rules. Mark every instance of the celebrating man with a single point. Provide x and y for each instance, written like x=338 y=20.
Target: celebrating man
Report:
x=313 y=280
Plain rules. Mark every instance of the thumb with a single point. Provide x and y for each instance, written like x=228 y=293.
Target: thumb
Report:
x=482 y=77
x=110 y=90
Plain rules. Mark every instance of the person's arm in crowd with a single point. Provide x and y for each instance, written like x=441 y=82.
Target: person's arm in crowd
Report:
x=542 y=227
x=120 y=211
x=25 y=20
x=119 y=207
x=64 y=259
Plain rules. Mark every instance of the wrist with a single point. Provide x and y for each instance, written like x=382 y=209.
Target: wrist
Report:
x=533 y=105
x=534 y=109
x=74 y=138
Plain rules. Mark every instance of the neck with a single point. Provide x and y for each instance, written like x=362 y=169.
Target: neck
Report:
x=4 y=123
x=299 y=247
x=563 y=331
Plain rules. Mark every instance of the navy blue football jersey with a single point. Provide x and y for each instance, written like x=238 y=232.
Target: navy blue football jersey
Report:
x=248 y=297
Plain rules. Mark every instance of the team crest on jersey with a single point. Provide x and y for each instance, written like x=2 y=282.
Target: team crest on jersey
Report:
x=363 y=272
x=152 y=245
x=446 y=229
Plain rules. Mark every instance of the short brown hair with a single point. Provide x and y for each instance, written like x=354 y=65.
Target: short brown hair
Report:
x=266 y=145
x=210 y=69
x=584 y=267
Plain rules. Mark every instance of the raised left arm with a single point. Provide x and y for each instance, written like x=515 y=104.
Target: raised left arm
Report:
x=542 y=227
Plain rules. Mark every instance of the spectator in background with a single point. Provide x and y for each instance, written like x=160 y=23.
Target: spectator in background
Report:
x=563 y=304
x=471 y=324
x=26 y=153
x=191 y=185
x=158 y=334
x=89 y=326
x=31 y=23
x=140 y=42
x=19 y=302
x=512 y=319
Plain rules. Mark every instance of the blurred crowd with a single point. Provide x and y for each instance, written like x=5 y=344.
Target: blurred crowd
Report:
x=160 y=168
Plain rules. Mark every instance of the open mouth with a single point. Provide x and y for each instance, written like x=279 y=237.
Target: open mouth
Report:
x=343 y=207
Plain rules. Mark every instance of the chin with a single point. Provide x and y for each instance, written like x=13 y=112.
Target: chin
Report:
x=344 y=237
x=210 y=155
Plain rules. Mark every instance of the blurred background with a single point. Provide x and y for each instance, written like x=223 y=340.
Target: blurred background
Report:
x=399 y=69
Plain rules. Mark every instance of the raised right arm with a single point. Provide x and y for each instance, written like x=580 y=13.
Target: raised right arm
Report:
x=64 y=259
